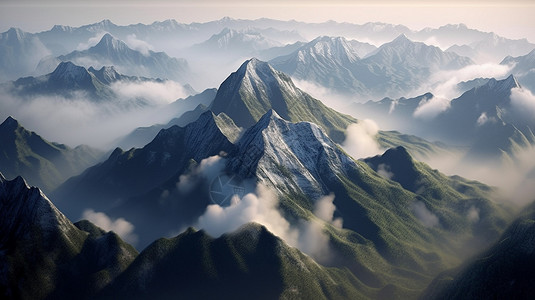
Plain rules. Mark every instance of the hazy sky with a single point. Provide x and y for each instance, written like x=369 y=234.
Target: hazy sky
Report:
x=513 y=19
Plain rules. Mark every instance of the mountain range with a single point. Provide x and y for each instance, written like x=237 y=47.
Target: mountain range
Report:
x=301 y=164
x=396 y=68
x=20 y=53
x=257 y=189
x=113 y=52
x=73 y=82
x=523 y=67
x=483 y=118
x=44 y=255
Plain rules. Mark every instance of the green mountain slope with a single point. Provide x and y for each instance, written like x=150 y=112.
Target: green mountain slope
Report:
x=248 y=263
x=45 y=256
x=45 y=164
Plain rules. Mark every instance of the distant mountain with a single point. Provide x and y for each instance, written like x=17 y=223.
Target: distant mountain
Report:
x=235 y=43
x=45 y=164
x=523 y=68
x=482 y=118
x=394 y=69
x=504 y=271
x=325 y=59
x=482 y=47
x=45 y=256
x=494 y=48
x=111 y=51
x=248 y=263
x=185 y=111
x=20 y=53
x=75 y=82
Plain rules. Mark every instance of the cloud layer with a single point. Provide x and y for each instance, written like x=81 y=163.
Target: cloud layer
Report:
x=120 y=226
x=361 y=139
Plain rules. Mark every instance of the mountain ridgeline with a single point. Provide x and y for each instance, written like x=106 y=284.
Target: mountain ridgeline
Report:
x=44 y=164
x=253 y=190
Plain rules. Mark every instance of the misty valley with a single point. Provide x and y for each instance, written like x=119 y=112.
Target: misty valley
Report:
x=266 y=159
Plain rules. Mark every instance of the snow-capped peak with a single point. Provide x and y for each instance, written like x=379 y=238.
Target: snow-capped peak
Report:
x=69 y=71
x=10 y=122
x=504 y=85
x=109 y=43
x=26 y=211
x=106 y=74
x=303 y=148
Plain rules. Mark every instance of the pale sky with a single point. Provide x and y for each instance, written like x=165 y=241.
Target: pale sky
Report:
x=512 y=19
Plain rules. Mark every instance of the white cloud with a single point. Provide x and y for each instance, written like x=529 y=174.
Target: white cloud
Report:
x=260 y=207
x=142 y=46
x=443 y=84
x=361 y=139
x=473 y=214
x=155 y=92
x=384 y=171
x=523 y=102
x=423 y=214
x=120 y=226
x=326 y=95
x=430 y=108
x=483 y=119
x=80 y=120
x=209 y=168
x=312 y=238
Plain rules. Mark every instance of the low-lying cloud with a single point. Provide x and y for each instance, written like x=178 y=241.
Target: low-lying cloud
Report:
x=443 y=84
x=142 y=46
x=361 y=139
x=156 y=93
x=514 y=176
x=384 y=171
x=120 y=226
x=523 y=102
x=423 y=214
x=209 y=168
x=430 y=108
x=473 y=214
x=262 y=206
x=82 y=120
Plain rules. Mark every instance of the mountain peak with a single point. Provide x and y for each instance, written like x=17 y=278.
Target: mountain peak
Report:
x=106 y=74
x=269 y=116
x=504 y=85
x=10 y=122
x=15 y=34
x=109 y=43
x=402 y=38
x=69 y=71
x=397 y=154
x=105 y=22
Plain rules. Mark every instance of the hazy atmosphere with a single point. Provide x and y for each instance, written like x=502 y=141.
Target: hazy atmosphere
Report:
x=267 y=149
x=513 y=19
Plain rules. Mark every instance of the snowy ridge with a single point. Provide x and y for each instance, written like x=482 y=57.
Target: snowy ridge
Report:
x=289 y=156
x=67 y=72
x=500 y=86
x=25 y=211
x=110 y=44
